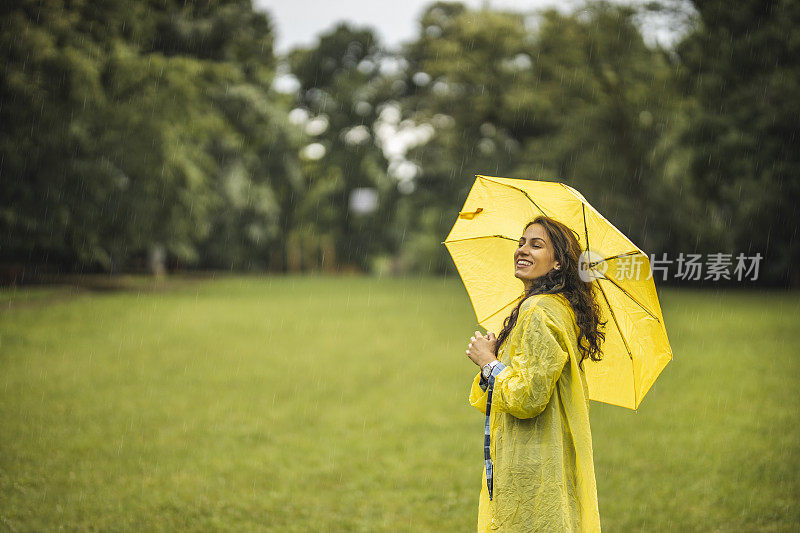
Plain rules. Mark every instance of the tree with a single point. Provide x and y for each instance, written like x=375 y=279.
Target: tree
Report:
x=115 y=131
x=578 y=98
x=342 y=91
x=741 y=72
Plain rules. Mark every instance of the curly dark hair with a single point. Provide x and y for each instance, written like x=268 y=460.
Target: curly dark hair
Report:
x=566 y=281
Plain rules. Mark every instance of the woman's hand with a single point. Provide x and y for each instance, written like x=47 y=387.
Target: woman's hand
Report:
x=481 y=349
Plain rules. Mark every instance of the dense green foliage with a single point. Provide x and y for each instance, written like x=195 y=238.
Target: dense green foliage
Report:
x=741 y=71
x=132 y=129
x=128 y=125
x=204 y=408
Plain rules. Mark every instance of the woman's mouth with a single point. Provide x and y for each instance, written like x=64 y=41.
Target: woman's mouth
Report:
x=523 y=263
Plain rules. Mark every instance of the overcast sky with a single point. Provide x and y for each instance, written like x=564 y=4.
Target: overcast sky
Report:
x=298 y=22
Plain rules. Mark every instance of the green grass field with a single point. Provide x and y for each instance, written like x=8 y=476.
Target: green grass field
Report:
x=339 y=404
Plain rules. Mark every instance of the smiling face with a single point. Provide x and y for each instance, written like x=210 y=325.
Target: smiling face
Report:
x=534 y=256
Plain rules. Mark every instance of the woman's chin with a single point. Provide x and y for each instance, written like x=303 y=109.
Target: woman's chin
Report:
x=524 y=276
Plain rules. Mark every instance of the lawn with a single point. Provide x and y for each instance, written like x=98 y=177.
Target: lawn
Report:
x=339 y=404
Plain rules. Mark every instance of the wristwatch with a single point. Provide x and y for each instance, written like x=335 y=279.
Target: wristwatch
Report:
x=486 y=371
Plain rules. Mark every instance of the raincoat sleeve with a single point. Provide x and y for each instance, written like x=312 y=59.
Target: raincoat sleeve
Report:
x=478 y=395
x=537 y=358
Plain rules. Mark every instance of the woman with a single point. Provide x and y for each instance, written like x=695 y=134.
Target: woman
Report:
x=539 y=472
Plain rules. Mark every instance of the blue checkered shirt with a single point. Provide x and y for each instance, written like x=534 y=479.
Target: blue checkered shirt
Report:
x=487 y=438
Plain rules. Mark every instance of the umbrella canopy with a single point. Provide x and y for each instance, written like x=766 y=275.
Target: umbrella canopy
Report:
x=482 y=244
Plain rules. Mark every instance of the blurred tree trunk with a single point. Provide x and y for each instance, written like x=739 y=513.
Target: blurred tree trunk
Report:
x=157 y=260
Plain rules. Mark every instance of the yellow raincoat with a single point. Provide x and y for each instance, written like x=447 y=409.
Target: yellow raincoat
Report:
x=541 y=444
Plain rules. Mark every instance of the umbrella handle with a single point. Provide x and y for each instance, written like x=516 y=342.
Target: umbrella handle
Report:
x=469 y=215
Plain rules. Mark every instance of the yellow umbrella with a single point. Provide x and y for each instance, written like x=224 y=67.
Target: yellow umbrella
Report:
x=482 y=244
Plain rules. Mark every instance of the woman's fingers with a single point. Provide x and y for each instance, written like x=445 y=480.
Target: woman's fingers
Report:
x=478 y=344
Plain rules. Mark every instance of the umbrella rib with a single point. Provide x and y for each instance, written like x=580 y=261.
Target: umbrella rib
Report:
x=585 y=226
x=498 y=311
x=626 y=254
x=520 y=190
x=584 y=204
x=617 y=285
x=481 y=237
x=616 y=322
